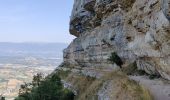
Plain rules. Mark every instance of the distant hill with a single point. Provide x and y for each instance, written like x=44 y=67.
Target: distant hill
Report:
x=32 y=49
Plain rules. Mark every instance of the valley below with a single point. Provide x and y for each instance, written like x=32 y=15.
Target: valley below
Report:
x=20 y=62
x=12 y=78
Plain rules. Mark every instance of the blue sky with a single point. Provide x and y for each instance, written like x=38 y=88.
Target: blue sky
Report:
x=35 y=20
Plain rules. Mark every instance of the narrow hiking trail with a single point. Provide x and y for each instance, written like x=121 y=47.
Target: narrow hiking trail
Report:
x=159 y=88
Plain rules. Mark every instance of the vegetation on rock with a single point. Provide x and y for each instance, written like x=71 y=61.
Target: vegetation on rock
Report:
x=130 y=69
x=114 y=58
x=41 y=88
x=127 y=3
x=120 y=88
x=2 y=98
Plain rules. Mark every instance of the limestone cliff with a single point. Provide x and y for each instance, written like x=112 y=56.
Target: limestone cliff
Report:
x=137 y=30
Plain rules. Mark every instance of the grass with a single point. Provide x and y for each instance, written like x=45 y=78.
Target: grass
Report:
x=127 y=89
x=130 y=69
x=81 y=83
x=122 y=87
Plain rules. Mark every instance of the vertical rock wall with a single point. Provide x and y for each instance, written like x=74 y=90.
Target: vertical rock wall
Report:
x=138 y=30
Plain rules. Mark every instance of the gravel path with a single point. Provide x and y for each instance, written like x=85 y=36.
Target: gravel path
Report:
x=159 y=88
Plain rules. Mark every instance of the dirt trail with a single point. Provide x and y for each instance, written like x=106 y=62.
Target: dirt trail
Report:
x=159 y=88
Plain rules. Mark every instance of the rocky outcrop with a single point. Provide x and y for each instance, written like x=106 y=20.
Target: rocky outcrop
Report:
x=137 y=30
x=166 y=8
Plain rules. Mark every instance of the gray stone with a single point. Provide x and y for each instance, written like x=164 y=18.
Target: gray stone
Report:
x=138 y=30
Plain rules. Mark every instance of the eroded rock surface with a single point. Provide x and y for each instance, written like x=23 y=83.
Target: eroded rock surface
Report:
x=137 y=30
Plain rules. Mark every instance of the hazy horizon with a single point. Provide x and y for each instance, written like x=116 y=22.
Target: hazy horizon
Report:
x=36 y=42
x=35 y=21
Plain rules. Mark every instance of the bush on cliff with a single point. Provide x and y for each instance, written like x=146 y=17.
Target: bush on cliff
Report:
x=41 y=88
x=2 y=98
x=114 y=58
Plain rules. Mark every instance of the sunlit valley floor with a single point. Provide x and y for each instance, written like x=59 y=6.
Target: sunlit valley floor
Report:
x=18 y=64
x=12 y=76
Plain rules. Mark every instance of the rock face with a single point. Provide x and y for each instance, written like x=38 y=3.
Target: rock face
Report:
x=137 y=30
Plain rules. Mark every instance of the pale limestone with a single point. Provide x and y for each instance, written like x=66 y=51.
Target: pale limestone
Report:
x=138 y=31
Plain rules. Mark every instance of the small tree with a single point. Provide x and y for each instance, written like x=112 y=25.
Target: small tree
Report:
x=37 y=79
x=114 y=58
x=2 y=97
x=49 y=88
x=25 y=88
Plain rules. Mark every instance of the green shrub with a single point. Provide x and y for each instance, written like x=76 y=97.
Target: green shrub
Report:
x=67 y=95
x=141 y=72
x=114 y=58
x=49 y=88
x=154 y=76
x=2 y=98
